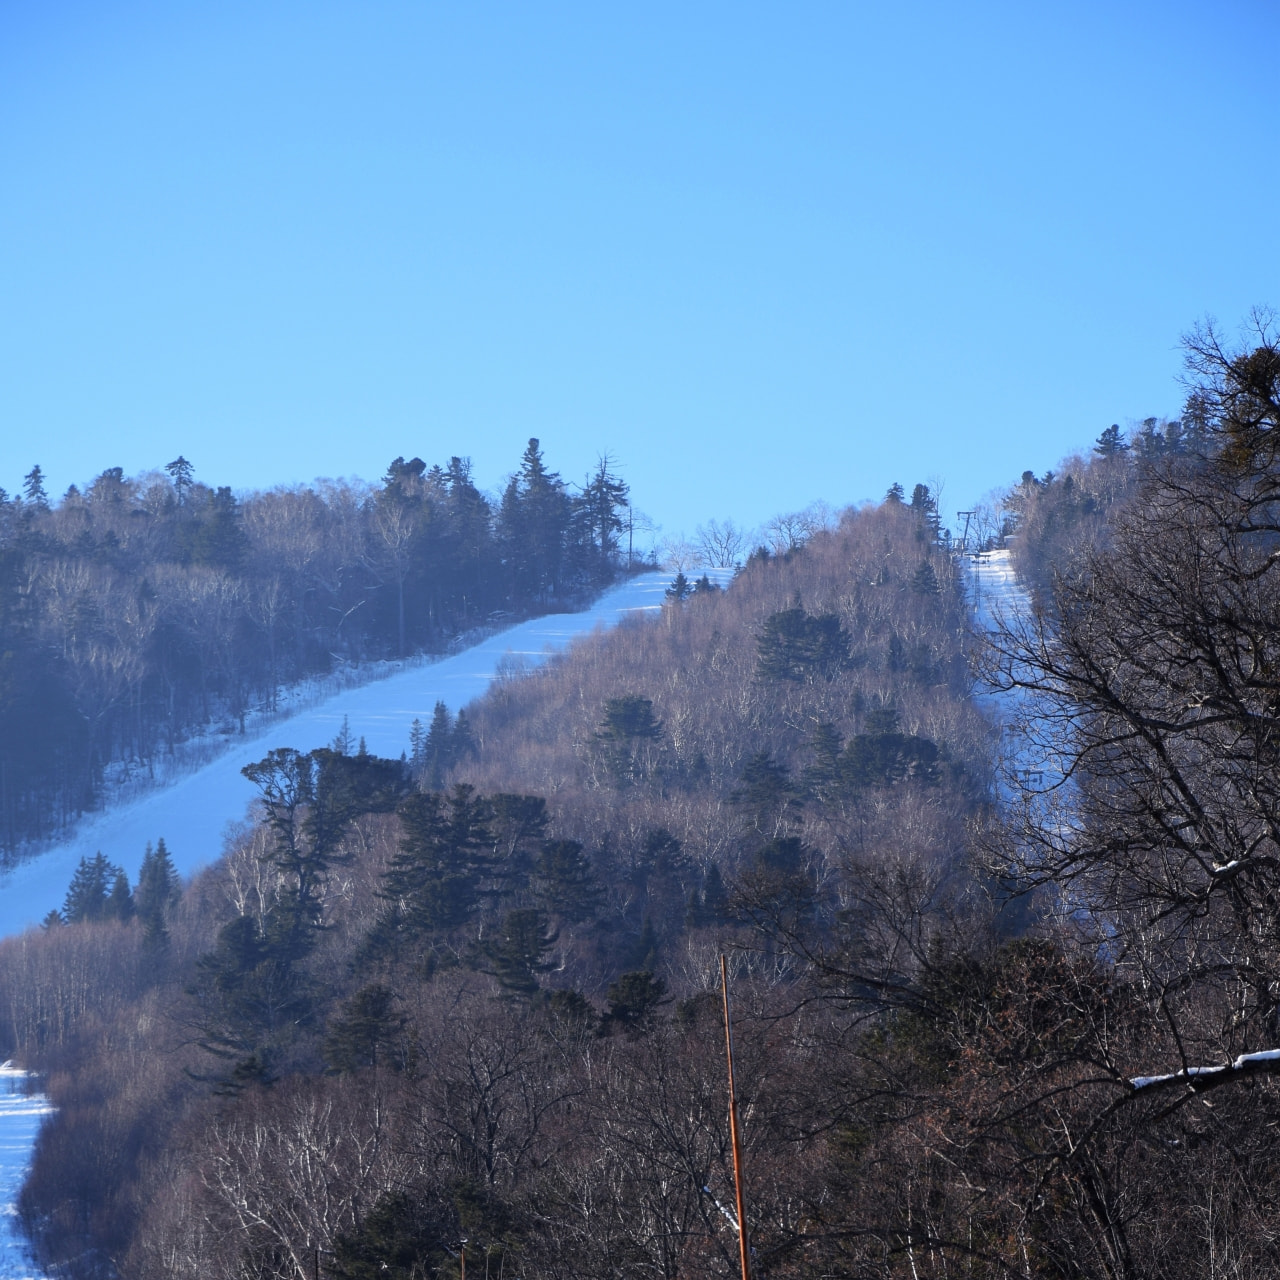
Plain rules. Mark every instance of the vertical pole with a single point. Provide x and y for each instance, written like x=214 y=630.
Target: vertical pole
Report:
x=462 y=1253
x=743 y=1251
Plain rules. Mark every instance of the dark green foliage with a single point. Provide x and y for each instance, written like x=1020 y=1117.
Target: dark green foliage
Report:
x=822 y=775
x=710 y=907
x=120 y=900
x=249 y=1002
x=515 y=954
x=518 y=824
x=883 y=757
x=629 y=718
x=33 y=489
x=1110 y=443
x=400 y=1239
x=437 y=748
x=158 y=889
x=680 y=588
x=246 y=594
x=182 y=473
x=924 y=581
x=571 y=1007
x=366 y=1032
x=89 y=896
x=795 y=645
x=766 y=795
x=564 y=882
x=634 y=1001
x=433 y=884
x=628 y=737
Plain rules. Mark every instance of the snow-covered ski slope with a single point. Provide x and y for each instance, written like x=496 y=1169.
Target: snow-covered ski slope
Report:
x=20 y=1119
x=193 y=813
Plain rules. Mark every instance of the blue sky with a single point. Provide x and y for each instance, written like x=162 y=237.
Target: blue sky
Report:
x=761 y=254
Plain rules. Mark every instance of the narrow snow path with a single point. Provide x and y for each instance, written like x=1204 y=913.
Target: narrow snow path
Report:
x=1030 y=765
x=193 y=813
x=20 y=1118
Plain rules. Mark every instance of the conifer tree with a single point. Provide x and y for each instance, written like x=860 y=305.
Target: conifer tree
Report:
x=564 y=882
x=89 y=890
x=516 y=952
x=437 y=747
x=120 y=900
x=157 y=891
x=33 y=489
x=679 y=589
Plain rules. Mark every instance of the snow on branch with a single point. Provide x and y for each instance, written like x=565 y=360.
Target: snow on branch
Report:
x=1266 y=1060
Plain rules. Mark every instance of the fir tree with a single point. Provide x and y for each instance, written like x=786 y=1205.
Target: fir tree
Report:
x=795 y=645
x=366 y=1027
x=343 y=741
x=120 y=900
x=679 y=589
x=437 y=747
x=89 y=891
x=564 y=882
x=157 y=891
x=1110 y=443
x=182 y=474
x=515 y=953
x=634 y=1001
x=924 y=581
x=33 y=489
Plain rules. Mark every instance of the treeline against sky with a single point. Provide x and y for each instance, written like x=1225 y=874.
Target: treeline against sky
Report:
x=143 y=610
x=478 y=999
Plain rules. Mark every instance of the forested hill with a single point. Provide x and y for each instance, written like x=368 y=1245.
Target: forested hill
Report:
x=139 y=611
x=478 y=998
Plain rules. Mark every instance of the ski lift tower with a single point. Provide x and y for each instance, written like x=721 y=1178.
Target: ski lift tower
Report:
x=964 y=536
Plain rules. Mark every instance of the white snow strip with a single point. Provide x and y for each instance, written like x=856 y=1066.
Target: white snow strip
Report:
x=194 y=812
x=1243 y=1061
x=21 y=1115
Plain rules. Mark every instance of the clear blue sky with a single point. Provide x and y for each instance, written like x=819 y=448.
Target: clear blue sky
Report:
x=762 y=254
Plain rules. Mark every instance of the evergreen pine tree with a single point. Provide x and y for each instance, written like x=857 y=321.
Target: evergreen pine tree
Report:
x=515 y=952
x=89 y=890
x=437 y=747
x=1110 y=443
x=120 y=900
x=182 y=473
x=564 y=882
x=33 y=489
x=343 y=741
x=924 y=581
x=464 y=742
x=680 y=588
x=634 y=1001
x=365 y=1028
x=157 y=891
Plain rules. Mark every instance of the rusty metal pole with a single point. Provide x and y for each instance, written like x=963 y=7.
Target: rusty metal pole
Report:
x=743 y=1250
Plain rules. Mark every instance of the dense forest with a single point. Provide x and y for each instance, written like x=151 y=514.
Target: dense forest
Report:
x=141 y=611
x=990 y=1022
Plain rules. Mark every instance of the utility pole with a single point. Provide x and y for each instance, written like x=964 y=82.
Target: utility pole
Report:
x=743 y=1250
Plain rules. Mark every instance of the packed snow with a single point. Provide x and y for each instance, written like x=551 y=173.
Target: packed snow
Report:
x=20 y=1117
x=1245 y=1062
x=193 y=814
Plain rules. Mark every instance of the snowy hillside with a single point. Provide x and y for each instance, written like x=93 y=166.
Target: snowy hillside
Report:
x=193 y=813
x=20 y=1118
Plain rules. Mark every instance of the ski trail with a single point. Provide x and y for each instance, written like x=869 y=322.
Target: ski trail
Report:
x=194 y=813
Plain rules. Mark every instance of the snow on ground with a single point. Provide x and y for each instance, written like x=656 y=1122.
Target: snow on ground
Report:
x=193 y=813
x=1027 y=760
x=20 y=1118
